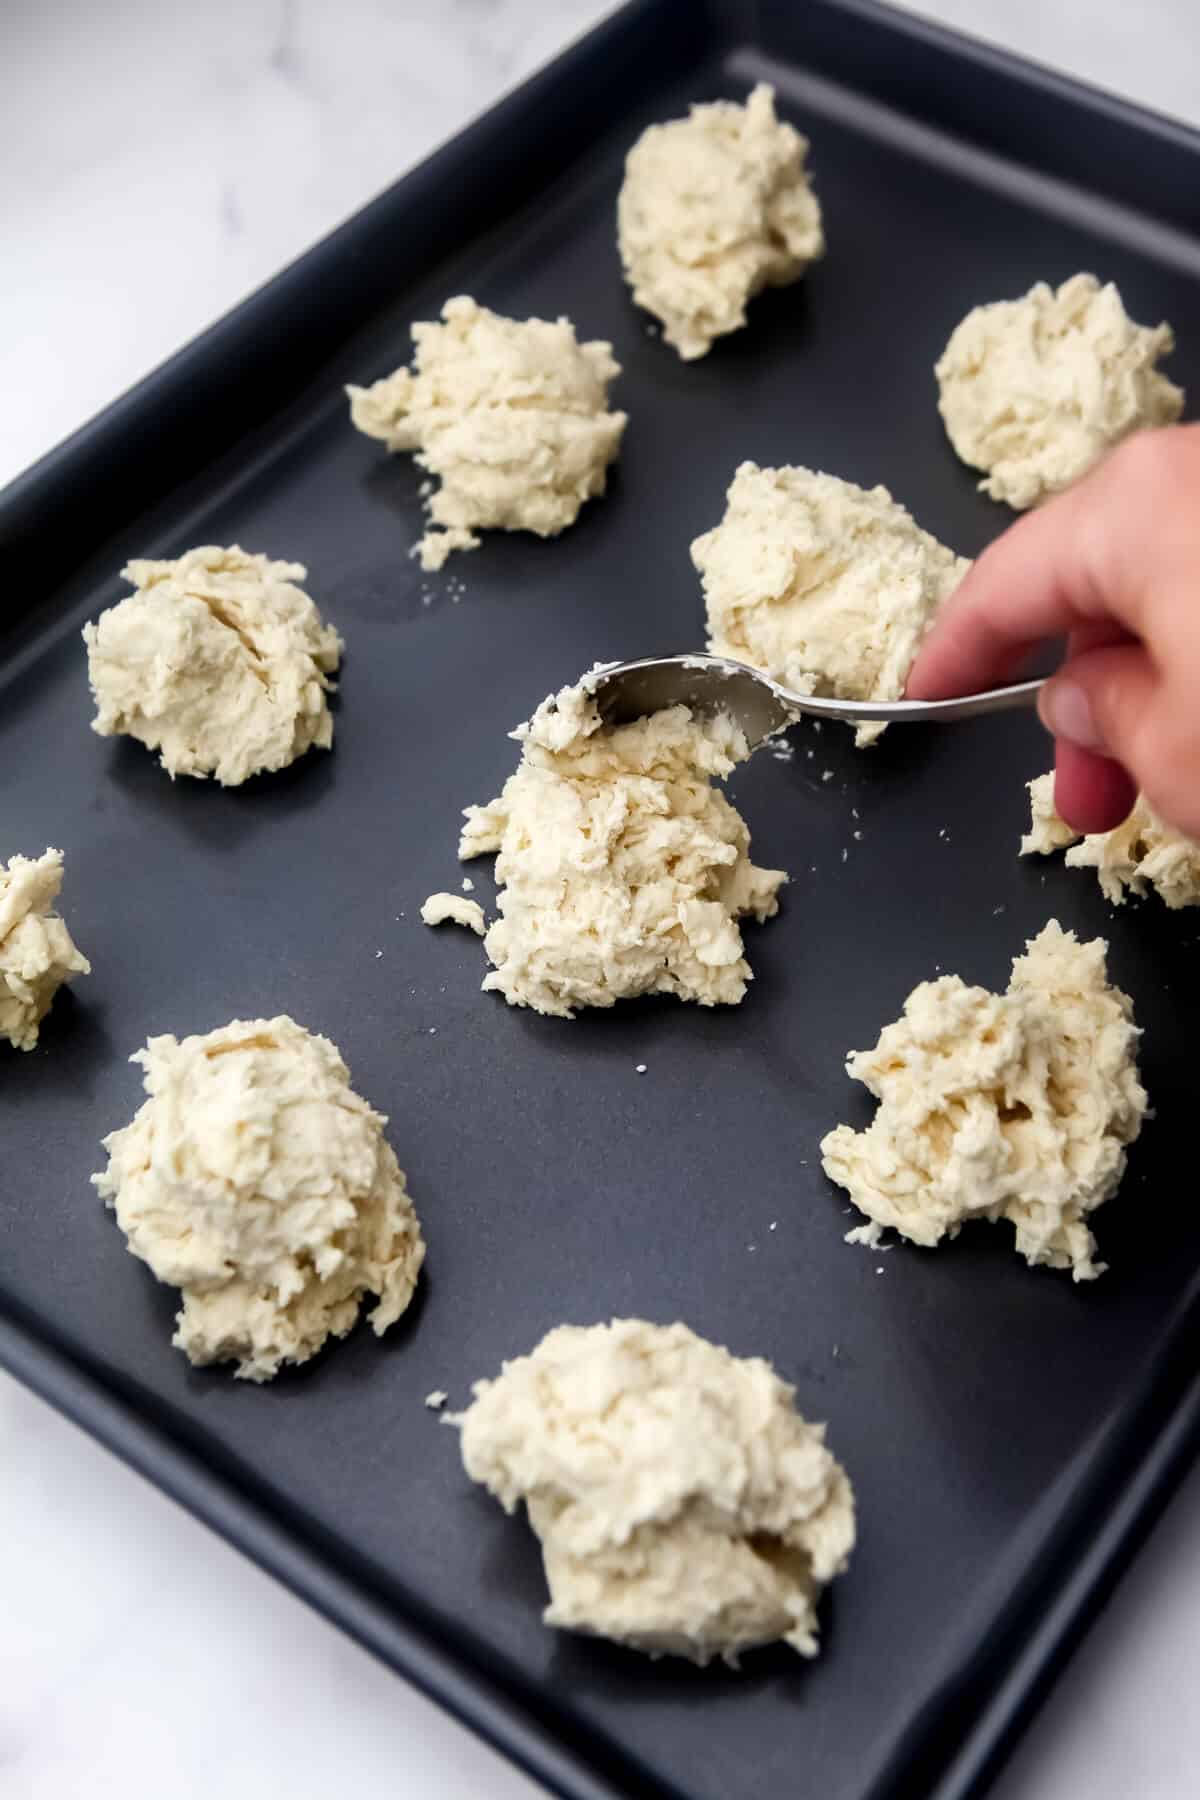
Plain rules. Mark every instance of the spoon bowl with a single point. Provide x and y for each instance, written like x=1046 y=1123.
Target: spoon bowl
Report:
x=761 y=707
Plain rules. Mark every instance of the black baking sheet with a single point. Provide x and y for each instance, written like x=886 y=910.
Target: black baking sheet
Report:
x=1009 y=1434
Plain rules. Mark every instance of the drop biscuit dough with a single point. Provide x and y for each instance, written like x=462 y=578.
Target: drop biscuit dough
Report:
x=1015 y=1106
x=683 y=1505
x=1034 y=391
x=825 y=586
x=37 y=954
x=256 y=1180
x=714 y=208
x=1139 y=854
x=623 y=871
x=510 y=416
x=218 y=661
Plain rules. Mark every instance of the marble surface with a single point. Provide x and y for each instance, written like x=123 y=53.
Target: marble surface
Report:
x=161 y=161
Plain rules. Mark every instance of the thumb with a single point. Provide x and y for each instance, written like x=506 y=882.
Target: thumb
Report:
x=1098 y=707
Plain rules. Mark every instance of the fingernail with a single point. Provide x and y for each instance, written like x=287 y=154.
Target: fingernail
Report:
x=1066 y=711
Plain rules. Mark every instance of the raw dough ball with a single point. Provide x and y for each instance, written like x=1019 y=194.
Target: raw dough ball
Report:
x=1139 y=854
x=714 y=208
x=683 y=1505
x=453 y=909
x=256 y=1180
x=625 y=871
x=827 y=587
x=217 y=661
x=1035 y=390
x=1012 y=1106
x=36 y=952
x=510 y=415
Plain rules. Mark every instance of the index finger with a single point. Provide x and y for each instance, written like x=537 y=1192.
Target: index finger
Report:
x=1046 y=576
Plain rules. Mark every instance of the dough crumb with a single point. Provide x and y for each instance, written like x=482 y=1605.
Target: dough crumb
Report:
x=256 y=1181
x=218 y=661
x=623 y=871
x=1014 y=1106
x=714 y=208
x=437 y=1399
x=639 y=1068
x=468 y=886
x=1034 y=391
x=1135 y=856
x=441 y=909
x=683 y=1505
x=827 y=587
x=37 y=953
x=509 y=415
x=436 y=546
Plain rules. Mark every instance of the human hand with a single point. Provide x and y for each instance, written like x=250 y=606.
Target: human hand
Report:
x=1114 y=565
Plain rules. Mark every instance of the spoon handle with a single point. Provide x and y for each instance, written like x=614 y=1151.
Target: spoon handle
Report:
x=961 y=706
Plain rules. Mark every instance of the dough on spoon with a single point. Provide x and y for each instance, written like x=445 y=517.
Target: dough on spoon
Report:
x=37 y=954
x=825 y=586
x=683 y=1505
x=510 y=416
x=714 y=208
x=1135 y=856
x=1034 y=391
x=623 y=871
x=218 y=661
x=1014 y=1106
x=256 y=1181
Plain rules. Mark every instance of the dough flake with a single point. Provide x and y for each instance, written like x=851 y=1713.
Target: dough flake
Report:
x=1016 y=1106
x=511 y=417
x=37 y=954
x=623 y=872
x=454 y=909
x=256 y=1181
x=713 y=209
x=1140 y=854
x=683 y=1505
x=218 y=661
x=825 y=586
x=1034 y=391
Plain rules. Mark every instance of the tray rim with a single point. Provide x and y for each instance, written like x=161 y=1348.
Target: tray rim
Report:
x=1167 y=1414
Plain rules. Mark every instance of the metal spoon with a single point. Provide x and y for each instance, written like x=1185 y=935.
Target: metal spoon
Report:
x=627 y=691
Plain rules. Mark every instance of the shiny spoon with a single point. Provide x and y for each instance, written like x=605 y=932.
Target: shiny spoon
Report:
x=627 y=691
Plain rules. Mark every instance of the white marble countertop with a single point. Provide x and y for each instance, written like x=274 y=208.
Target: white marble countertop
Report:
x=159 y=163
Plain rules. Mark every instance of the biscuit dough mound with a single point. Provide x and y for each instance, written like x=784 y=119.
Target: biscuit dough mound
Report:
x=258 y=1182
x=827 y=587
x=36 y=951
x=624 y=872
x=510 y=416
x=1034 y=391
x=1014 y=1106
x=714 y=208
x=1135 y=856
x=683 y=1505
x=217 y=661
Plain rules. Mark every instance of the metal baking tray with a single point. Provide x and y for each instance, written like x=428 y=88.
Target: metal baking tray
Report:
x=1010 y=1435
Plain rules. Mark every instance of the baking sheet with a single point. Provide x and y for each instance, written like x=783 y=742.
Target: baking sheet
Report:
x=1008 y=1433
